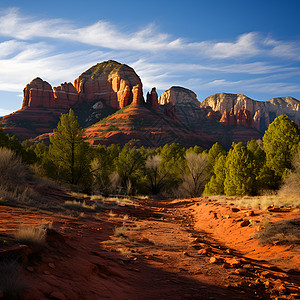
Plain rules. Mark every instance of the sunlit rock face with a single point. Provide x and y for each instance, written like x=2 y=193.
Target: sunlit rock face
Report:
x=262 y=112
x=117 y=84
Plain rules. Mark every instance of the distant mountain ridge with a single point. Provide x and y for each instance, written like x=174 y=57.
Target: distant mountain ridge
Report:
x=177 y=115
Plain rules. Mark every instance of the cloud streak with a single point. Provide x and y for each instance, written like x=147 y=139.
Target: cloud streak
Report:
x=59 y=50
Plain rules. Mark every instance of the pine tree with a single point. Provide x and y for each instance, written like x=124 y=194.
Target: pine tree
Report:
x=216 y=184
x=281 y=141
x=239 y=171
x=214 y=152
x=68 y=150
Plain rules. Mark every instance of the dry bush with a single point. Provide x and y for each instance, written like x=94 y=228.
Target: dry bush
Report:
x=80 y=205
x=12 y=171
x=281 y=232
x=291 y=185
x=11 y=285
x=194 y=180
x=31 y=234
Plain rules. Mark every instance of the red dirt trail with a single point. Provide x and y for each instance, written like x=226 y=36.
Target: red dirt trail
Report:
x=163 y=249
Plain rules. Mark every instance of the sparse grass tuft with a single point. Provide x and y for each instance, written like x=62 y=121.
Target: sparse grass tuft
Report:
x=80 y=205
x=281 y=232
x=120 y=231
x=31 y=234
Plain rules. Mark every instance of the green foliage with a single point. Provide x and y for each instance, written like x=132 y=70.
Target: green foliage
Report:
x=216 y=184
x=68 y=151
x=173 y=163
x=214 y=152
x=12 y=143
x=281 y=141
x=240 y=177
x=130 y=166
x=103 y=165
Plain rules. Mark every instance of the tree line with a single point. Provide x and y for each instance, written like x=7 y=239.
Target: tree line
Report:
x=170 y=170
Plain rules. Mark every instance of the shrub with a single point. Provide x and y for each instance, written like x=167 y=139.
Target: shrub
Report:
x=281 y=232
x=193 y=181
x=31 y=234
x=12 y=171
x=291 y=185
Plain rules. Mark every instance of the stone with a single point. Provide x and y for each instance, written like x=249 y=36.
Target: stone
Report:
x=235 y=209
x=245 y=223
x=213 y=260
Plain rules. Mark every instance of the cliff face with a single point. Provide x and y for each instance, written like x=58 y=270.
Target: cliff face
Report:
x=117 y=84
x=262 y=112
x=178 y=95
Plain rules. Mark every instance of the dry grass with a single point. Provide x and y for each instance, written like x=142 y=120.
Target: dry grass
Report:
x=31 y=234
x=11 y=285
x=261 y=202
x=281 y=232
x=80 y=205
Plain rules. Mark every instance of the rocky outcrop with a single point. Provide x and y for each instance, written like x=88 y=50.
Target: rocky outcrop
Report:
x=117 y=84
x=152 y=99
x=65 y=95
x=261 y=112
x=178 y=95
x=214 y=115
x=243 y=117
x=38 y=93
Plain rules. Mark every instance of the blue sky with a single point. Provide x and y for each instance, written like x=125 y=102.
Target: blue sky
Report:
x=234 y=46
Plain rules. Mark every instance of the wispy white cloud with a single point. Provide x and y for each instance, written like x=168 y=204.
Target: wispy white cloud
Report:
x=106 y=35
x=31 y=47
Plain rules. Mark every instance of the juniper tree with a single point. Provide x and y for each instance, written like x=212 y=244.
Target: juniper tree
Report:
x=68 y=150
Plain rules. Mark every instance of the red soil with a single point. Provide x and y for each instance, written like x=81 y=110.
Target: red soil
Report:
x=181 y=249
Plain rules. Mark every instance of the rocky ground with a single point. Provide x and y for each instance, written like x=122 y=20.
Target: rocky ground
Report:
x=152 y=249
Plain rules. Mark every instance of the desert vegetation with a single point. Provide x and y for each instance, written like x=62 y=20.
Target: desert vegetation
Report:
x=270 y=164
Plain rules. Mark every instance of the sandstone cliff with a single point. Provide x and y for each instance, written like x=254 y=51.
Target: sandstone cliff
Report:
x=117 y=84
x=262 y=112
x=178 y=95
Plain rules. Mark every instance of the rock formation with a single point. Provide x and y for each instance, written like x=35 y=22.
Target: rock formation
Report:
x=262 y=112
x=243 y=117
x=38 y=93
x=117 y=84
x=178 y=95
x=152 y=99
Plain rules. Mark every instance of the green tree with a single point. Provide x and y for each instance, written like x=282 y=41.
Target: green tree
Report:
x=214 y=152
x=239 y=171
x=216 y=184
x=68 y=150
x=130 y=166
x=281 y=141
x=103 y=165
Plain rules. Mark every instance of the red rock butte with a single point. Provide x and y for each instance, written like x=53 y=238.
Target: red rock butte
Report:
x=116 y=84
